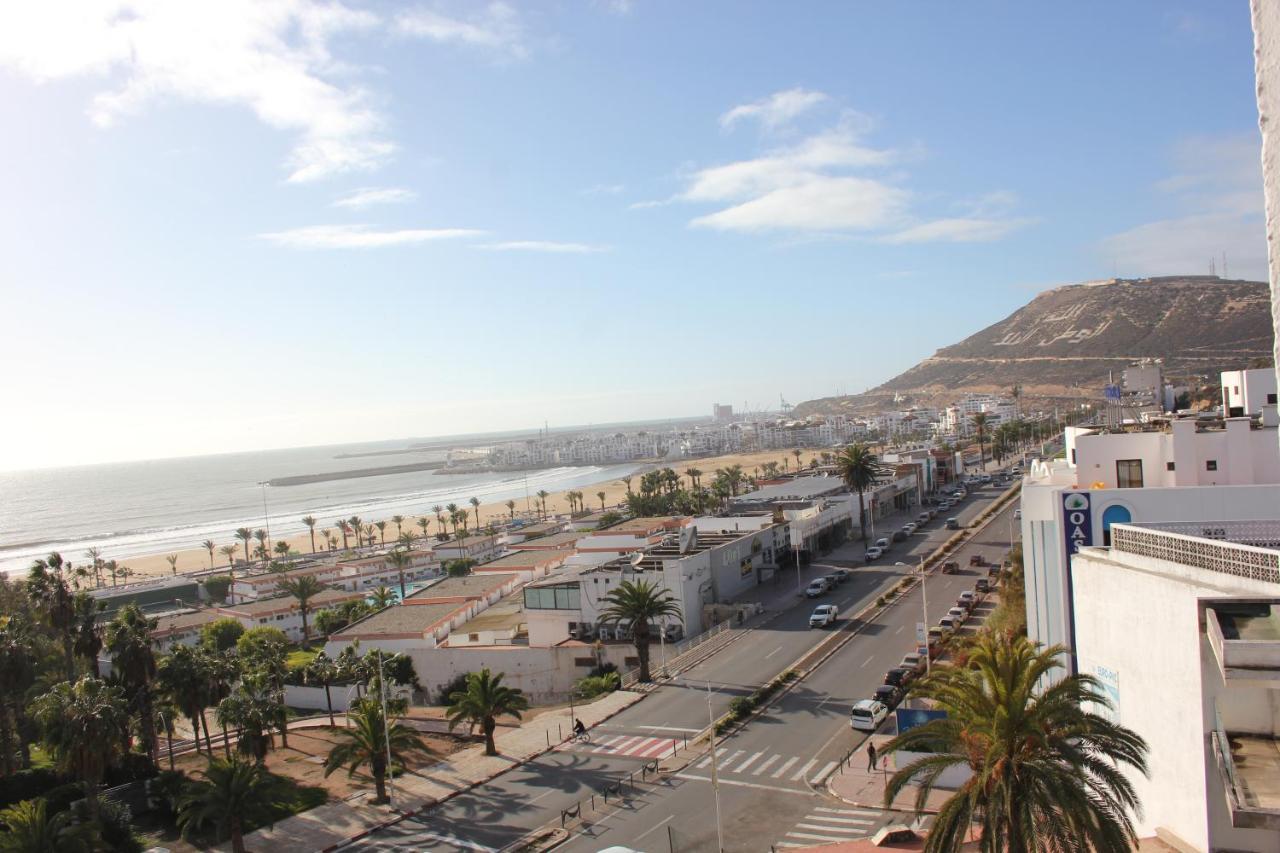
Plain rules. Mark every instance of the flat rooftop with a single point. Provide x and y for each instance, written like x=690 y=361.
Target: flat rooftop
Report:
x=525 y=560
x=507 y=614
x=554 y=541
x=401 y=619
x=647 y=523
x=268 y=605
x=470 y=586
x=799 y=488
x=184 y=621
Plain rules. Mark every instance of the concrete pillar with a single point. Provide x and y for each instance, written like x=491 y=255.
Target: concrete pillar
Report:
x=1266 y=64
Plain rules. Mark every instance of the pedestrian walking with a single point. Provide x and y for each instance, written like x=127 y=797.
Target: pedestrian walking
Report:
x=871 y=756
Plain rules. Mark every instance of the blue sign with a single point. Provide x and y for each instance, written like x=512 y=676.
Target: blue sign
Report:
x=1077 y=522
x=1112 y=392
x=909 y=718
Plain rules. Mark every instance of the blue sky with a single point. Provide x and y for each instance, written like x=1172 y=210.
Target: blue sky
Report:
x=240 y=225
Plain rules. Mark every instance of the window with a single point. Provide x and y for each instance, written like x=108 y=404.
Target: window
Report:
x=1129 y=473
x=1073 y=456
x=1168 y=466
x=1211 y=465
x=566 y=597
x=1271 y=399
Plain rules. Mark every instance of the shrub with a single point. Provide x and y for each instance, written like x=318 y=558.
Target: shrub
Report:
x=603 y=669
x=741 y=707
x=28 y=785
x=880 y=601
x=457 y=685
x=598 y=685
x=216 y=587
x=221 y=635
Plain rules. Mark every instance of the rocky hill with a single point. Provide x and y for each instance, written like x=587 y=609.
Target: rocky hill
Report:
x=1064 y=342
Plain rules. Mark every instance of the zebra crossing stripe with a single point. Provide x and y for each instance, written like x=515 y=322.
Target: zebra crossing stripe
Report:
x=859 y=821
x=863 y=812
x=720 y=751
x=822 y=828
x=786 y=765
x=660 y=746
x=764 y=765
x=813 y=837
x=822 y=774
x=744 y=765
x=800 y=773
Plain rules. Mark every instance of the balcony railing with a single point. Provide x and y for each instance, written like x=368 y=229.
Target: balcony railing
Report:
x=1199 y=548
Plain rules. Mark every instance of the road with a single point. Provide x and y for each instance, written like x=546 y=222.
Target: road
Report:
x=766 y=768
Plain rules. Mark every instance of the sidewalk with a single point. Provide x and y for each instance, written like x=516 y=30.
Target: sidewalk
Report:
x=865 y=788
x=332 y=824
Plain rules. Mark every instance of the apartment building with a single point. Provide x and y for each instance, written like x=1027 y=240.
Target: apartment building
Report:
x=283 y=612
x=1248 y=392
x=351 y=575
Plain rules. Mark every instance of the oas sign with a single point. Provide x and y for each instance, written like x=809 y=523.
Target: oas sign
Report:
x=1077 y=521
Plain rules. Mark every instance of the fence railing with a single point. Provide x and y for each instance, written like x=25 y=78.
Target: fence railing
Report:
x=616 y=790
x=676 y=650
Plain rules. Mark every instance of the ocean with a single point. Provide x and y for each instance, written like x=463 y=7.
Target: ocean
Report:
x=157 y=507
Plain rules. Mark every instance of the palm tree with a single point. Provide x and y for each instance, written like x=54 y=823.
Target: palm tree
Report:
x=860 y=468
x=48 y=589
x=370 y=535
x=86 y=634
x=17 y=674
x=262 y=549
x=95 y=560
x=31 y=829
x=323 y=670
x=230 y=795
x=382 y=531
x=484 y=700
x=310 y=522
x=543 y=494
x=182 y=677
x=210 y=546
x=405 y=541
x=511 y=508
x=128 y=638
x=1045 y=773
x=980 y=424
x=282 y=548
x=355 y=523
x=439 y=511
x=383 y=596
x=303 y=588
x=637 y=604
x=424 y=523
x=401 y=560
x=601 y=496
x=84 y=726
x=694 y=476
x=244 y=534
x=345 y=529
x=627 y=482
x=254 y=709
x=475 y=506
x=367 y=742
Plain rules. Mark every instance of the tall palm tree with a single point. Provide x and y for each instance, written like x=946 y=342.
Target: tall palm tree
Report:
x=382 y=597
x=172 y=560
x=382 y=531
x=245 y=535
x=17 y=674
x=370 y=534
x=210 y=546
x=439 y=511
x=627 y=482
x=601 y=496
x=860 y=468
x=475 y=507
x=128 y=638
x=181 y=675
x=424 y=523
x=344 y=529
x=86 y=632
x=84 y=726
x=253 y=708
x=355 y=523
x=511 y=508
x=95 y=561
x=230 y=795
x=31 y=829
x=405 y=540
x=980 y=424
x=484 y=700
x=367 y=742
x=323 y=670
x=49 y=590
x=262 y=549
x=1045 y=774
x=694 y=476
x=401 y=560
x=303 y=588
x=310 y=522
x=543 y=494
x=637 y=604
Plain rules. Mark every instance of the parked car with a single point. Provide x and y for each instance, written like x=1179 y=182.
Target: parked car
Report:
x=888 y=695
x=950 y=567
x=899 y=536
x=875 y=552
x=982 y=585
x=909 y=528
x=949 y=623
x=960 y=614
x=953 y=524
x=899 y=676
x=915 y=661
x=883 y=544
x=968 y=599
x=977 y=560
x=817 y=588
x=841 y=575
x=867 y=715
x=924 y=517
x=937 y=636
x=823 y=615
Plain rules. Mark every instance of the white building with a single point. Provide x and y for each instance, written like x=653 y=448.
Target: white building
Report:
x=1176 y=471
x=1181 y=625
x=284 y=612
x=1247 y=392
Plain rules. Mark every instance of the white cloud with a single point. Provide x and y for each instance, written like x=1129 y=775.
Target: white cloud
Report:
x=822 y=203
x=544 y=246
x=497 y=28
x=644 y=205
x=604 y=189
x=1215 y=192
x=362 y=236
x=271 y=56
x=369 y=196
x=778 y=109
x=957 y=230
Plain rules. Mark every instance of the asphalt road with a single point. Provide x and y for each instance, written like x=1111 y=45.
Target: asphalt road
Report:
x=764 y=777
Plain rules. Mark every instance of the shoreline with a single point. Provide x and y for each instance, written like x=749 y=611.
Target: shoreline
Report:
x=154 y=564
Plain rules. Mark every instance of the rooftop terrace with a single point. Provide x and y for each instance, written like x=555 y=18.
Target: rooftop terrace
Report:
x=401 y=619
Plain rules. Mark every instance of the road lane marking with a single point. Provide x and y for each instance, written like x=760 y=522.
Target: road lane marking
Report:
x=783 y=769
x=456 y=841
x=868 y=660
x=900 y=627
x=655 y=828
x=720 y=751
x=859 y=821
x=765 y=765
x=734 y=757
x=810 y=836
x=821 y=828
x=740 y=784
x=863 y=812
x=744 y=765
x=772 y=653
x=800 y=773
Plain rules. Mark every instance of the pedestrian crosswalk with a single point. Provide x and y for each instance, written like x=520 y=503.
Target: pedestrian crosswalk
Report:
x=828 y=825
x=764 y=764
x=634 y=746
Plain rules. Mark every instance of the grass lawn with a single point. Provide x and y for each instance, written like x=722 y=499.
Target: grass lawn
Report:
x=300 y=657
x=40 y=758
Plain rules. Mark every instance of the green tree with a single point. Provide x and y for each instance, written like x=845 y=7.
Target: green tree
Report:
x=221 y=635
x=401 y=560
x=128 y=638
x=17 y=675
x=245 y=535
x=183 y=677
x=1045 y=769
x=980 y=425
x=310 y=522
x=230 y=795
x=86 y=633
x=263 y=652
x=303 y=588
x=366 y=742
x=475 y=506
x=53 y=596
x=860 y=468
x=254 y=709
x=84 y=725
x=459 y=568
x=29 y=828
x=323 y=670
x=217 y=587
x=484 y=700
x=637 y=604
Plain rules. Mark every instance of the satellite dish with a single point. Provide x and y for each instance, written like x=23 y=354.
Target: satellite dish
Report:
x=688 y=538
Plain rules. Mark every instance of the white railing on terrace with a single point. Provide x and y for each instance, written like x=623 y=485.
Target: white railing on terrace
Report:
x=1195 y=548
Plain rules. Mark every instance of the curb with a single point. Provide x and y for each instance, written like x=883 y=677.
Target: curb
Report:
x=878 y=807
x=402 y=816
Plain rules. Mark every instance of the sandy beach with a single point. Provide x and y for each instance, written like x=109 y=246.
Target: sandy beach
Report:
x=196 y=558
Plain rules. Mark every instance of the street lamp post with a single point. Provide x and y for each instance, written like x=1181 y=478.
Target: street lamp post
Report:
x=386 y=732
x=924 y=598
x=266 y=517
x=715 y=779
x=797 y=540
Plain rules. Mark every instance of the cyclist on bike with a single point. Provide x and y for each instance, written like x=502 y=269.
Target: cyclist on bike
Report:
x=578 y=728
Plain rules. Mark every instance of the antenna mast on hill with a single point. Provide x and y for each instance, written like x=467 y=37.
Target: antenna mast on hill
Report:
x=1212 y=269
x=1224 y=265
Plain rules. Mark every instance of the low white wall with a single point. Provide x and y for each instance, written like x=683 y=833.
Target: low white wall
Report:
x=312 y=698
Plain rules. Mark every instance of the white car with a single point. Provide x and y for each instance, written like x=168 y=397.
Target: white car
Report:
x=823 y=615
x=817 y=588
x=867 y=715
x=1017 y=513
x=909 y=528
x=883 y=544
x=873 y=553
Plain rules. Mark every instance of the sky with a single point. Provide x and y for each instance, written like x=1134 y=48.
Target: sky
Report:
x=250 y=224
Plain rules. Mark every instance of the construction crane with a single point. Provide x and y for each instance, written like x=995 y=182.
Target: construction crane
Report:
x=786 y=407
